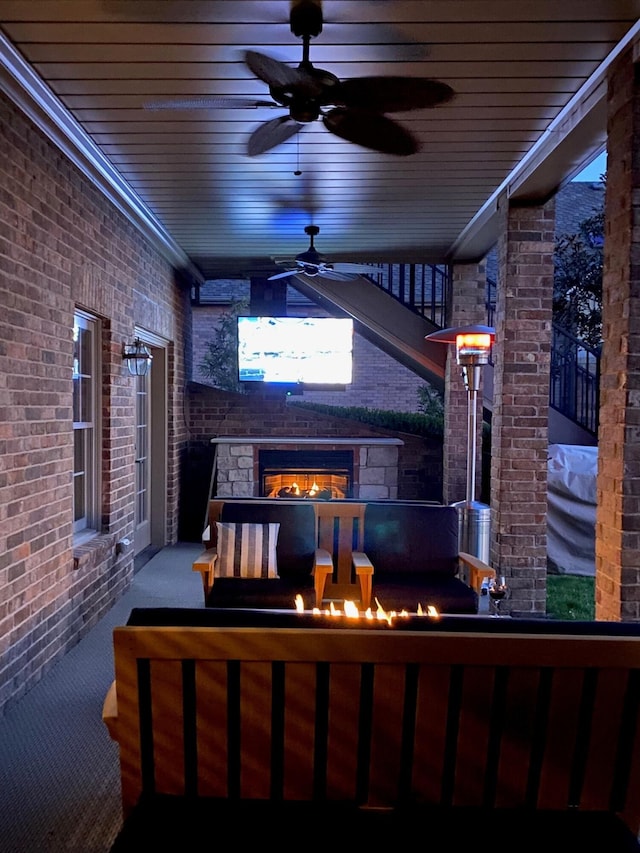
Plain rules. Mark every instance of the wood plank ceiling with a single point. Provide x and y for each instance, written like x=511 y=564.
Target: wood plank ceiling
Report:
x=528 y=113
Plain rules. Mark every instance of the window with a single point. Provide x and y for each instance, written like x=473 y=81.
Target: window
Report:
x=85 y=426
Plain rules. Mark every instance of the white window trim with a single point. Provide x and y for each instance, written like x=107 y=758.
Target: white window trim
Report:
x=88 y=526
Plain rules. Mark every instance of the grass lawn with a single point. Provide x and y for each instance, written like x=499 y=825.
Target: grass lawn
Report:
x=570 y=597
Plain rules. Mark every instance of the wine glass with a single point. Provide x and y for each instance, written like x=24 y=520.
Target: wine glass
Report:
x=498 y=591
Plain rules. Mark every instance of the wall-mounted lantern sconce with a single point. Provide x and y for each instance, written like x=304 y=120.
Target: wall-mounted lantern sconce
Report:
x=138 y=357
x=473 y=345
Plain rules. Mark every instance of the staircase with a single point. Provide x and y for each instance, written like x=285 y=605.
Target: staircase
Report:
x=399 y=304
x=395 y=308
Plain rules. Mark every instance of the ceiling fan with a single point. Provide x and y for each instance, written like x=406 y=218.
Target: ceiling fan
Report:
x=312 y=263
x=352 y=109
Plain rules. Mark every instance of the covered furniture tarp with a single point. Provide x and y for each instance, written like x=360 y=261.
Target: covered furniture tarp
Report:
x=571 y=495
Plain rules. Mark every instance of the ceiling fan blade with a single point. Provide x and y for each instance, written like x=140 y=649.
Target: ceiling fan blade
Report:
x=354 y=268
x=273 y=72
x=272 y=133
x=283 y=274
x=209 y=103
x=334 y=275
x=371 y=131
x=390 y=94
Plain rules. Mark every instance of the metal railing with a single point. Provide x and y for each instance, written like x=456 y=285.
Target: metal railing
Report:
x=575 y=366
x=421 y=287
x=575 y=379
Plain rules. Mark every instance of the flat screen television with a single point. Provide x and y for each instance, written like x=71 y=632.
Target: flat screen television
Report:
x=295 y=350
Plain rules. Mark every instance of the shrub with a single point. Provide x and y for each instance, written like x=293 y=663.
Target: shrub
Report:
x=409 y=422
x=220 y=362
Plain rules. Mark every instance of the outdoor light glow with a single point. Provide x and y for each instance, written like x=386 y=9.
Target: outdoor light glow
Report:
x=468 y=344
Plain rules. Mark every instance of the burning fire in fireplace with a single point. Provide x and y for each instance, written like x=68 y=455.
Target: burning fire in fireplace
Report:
x=306 y=473
x=306 y=485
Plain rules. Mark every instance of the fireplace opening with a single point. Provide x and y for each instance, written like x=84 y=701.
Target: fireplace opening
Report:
x=310 y=474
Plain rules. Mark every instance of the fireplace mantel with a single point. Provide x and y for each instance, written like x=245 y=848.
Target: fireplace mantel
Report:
x=375 y=463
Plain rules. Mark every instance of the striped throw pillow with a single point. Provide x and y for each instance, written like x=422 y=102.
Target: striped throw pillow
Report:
x=246 y=550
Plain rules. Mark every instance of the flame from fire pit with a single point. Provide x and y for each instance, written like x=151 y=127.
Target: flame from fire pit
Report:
x=350 y=611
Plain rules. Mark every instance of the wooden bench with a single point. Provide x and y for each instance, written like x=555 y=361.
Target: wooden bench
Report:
x=240 y=725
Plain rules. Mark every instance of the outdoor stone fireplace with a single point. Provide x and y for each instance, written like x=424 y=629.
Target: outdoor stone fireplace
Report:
x=362 y=468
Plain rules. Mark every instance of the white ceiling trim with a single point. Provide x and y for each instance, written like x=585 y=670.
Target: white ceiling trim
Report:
x=20 y=83
x=538 y=174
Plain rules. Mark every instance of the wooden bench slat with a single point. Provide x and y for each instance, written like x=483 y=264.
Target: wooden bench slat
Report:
x=212 y=725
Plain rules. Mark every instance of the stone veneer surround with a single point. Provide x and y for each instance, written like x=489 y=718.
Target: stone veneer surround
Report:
x=375 y=463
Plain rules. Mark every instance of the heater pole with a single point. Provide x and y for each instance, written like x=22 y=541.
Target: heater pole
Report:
x=471 y=445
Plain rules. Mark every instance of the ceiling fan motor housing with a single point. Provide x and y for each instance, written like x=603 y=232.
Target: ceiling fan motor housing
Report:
x=306 y=18
x=311 y=256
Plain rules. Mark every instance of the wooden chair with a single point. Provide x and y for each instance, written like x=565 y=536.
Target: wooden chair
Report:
x=340 y=529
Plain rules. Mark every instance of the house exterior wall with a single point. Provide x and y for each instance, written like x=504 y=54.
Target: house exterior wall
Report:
x=64 y=246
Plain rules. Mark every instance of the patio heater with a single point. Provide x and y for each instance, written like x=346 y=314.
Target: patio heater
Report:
x=473 y=344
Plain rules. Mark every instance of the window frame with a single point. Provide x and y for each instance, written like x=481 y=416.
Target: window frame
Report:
x=86 y=425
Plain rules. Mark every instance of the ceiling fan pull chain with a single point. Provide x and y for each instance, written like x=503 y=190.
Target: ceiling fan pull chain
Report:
x=297 y=171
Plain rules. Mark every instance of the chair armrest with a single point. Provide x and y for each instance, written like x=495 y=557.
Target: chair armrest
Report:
x=110 y=711
x=361 y=563
x=364 y=571
x=476 y=569
x=322 y=568
x=204 y=563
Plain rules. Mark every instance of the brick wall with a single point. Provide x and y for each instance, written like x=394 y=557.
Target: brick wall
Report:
x=62 y=246
x=520 y=438
x=467 y=307
x=618 y=482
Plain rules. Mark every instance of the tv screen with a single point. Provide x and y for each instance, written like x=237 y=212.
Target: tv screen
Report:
x=295 y=350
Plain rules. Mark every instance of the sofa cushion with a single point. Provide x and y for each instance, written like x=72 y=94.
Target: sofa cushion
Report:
x=411 y=538
x=165 y=822
x=405 y=590
x=268 y=593
x=246 y=550
x=297 y=535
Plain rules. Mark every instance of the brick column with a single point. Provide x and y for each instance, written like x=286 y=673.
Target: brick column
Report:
x=467 y=306
x=519 y=435
x=618 y=483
